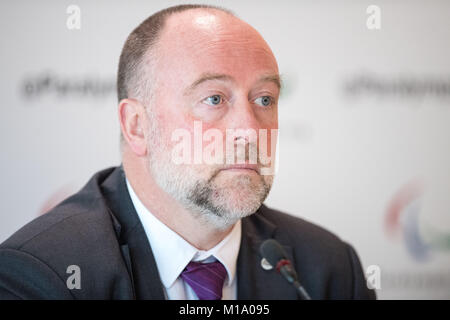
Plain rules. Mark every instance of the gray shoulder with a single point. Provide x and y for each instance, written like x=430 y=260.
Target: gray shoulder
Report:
x=296 y=229
x=81 y=218
x=329 y=266
x=321 y=247
x=79 y=231
x=78 y=219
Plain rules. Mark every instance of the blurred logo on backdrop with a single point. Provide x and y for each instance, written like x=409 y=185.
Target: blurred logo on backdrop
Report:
x=400 y=86
x=50 y=84
x=402 y=218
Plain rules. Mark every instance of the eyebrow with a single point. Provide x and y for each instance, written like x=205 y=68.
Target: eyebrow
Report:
x=208 y=77
x=275 y=78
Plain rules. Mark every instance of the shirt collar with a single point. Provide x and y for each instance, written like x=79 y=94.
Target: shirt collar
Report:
x=172 y=253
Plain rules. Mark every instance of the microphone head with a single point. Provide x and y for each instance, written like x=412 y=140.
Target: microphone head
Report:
x=272 y=251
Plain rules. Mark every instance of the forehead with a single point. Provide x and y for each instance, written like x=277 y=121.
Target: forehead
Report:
x=198 y=41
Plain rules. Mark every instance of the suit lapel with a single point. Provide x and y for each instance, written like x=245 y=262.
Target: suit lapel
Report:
x=134 y=244
x=253 y=281
x=144 y=272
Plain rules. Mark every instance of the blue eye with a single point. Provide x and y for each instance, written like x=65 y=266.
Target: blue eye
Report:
x=214 y=100
x=264 y=101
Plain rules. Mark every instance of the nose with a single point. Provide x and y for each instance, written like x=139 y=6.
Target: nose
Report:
x=242 y=115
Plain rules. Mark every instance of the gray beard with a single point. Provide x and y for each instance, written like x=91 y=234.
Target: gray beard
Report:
x=209 y=203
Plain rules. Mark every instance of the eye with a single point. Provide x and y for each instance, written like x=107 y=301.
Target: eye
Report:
x=264 y=101
x=214 y=100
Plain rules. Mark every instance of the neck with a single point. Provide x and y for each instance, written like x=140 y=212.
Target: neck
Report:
x=166 y=209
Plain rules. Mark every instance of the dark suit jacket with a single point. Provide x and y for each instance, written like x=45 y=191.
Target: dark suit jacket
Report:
x=99 y=230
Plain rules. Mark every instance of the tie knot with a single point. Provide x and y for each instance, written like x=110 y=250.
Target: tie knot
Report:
x=206 y=279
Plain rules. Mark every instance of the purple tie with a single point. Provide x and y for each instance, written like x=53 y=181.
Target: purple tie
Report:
x=206 y=279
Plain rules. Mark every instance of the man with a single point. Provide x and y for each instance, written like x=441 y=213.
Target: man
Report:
x=159 y=228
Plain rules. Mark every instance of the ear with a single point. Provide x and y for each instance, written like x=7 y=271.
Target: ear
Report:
x=133 y=121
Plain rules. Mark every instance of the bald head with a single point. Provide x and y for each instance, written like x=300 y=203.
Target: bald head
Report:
x=138 y=52
x=181 y=31
x=187 y=24
x=223 y=40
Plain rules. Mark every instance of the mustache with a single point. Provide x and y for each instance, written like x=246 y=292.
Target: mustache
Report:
x=240 y=154
x=245 y=157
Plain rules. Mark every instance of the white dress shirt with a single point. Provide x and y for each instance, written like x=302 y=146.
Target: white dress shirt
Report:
x=172 y=254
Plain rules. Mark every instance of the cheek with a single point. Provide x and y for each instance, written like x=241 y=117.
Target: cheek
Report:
x=268 y=119
x=183 y=130
x=168 y=125
x=206 y=113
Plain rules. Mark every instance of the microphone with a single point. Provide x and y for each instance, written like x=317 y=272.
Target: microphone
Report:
x=274 y=253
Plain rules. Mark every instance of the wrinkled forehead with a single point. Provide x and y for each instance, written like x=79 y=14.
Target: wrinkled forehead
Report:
x=210 y=40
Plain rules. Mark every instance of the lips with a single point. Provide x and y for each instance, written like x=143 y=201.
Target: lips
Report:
x=236 y=167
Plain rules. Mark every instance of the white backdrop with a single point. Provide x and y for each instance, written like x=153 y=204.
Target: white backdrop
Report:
x=364 y=119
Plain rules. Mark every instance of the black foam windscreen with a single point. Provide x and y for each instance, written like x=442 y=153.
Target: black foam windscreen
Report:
x=272 y=251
